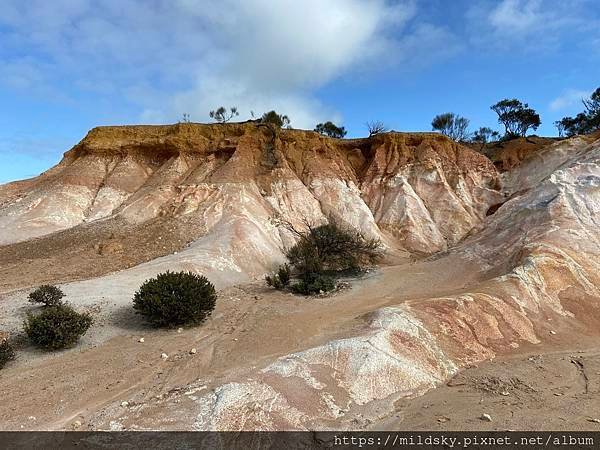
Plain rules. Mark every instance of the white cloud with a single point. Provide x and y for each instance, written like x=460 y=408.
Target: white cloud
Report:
x=517 y=15
x=529 y=25
x=171 y=57
x=569 y=98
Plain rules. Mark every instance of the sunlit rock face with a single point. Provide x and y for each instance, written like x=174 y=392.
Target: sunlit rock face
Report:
x=541 y=251
x=416 y=192
x=530 y=234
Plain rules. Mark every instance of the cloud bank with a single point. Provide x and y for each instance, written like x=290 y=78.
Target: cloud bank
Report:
x=180 y=56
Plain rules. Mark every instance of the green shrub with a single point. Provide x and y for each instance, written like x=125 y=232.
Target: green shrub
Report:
x=332 y=247
x=57 y=327
x=314 y=283
x=279 y=120
x=284 y=273
x=175 y=298
x=330 y=129
x=281 y=279
x=7 y=353
x=47 y=295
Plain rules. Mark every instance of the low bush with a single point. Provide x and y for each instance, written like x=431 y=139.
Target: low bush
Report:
x=47 y=295
x=314 y=283
x=281 y=279
x=175 y=298
x=57 y=327
x=332 y=247
x=323 y=253
x=7 y=353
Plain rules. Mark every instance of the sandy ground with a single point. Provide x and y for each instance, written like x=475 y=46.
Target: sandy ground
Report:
x=250 y=327
x=92 y=250
x=534 y=391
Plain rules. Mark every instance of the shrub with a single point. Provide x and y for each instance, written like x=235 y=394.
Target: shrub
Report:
x=175 y=298
x=47 y=295
x=451 y=125
x=7 y=353
x=330 y=129
x=279 y=120
x=57 y=327
x=314 y=283
x=331 y=247
x=280 y=279
x=284 y=273
x=484 y=135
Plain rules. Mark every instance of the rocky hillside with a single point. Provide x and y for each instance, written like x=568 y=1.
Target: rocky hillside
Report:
x=419 y=193
x=501 y=263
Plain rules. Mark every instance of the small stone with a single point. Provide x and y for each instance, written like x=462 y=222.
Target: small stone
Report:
x=180 y=330
x=164 y=355
x=76 y=424
x=504 y=393
x=552 y=332
x=486 y=417
x=124 y=404
x=193 y=351
x=558 y=394
x=594 y=420
x=141 y=340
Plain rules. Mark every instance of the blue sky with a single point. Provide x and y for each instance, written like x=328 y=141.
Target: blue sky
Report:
x=70 y=65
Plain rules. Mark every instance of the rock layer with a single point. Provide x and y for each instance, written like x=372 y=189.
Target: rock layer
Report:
x=532 y=235
x=417 y=192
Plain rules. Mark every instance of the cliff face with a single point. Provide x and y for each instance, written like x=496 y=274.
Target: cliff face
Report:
x=538 y=259
x=417 y=192
x=520 y=270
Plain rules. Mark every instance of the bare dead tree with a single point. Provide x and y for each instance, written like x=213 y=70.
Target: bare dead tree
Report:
x=376 y=127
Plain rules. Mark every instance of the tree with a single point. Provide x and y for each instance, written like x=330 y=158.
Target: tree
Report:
x=185 y=118
x=585 y=122
x=572 y=126
x=485 y=135
x=592 y=105
x=451 y=125
x=516 y=117
x=279 y=120
x=221 y=115
x=331 y=130
x=376 y=127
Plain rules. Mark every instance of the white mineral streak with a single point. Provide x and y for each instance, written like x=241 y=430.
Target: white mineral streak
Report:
x=547 y=241
x=396 y=356
x=537 y=253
